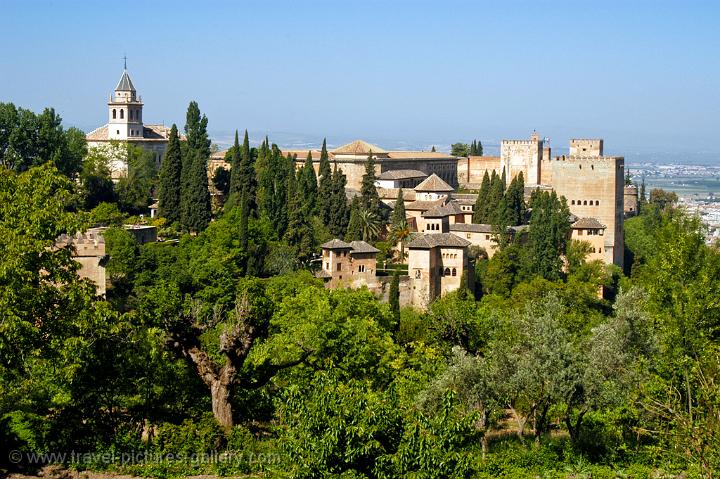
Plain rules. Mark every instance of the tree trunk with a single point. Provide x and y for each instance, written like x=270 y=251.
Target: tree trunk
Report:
x=221 y=407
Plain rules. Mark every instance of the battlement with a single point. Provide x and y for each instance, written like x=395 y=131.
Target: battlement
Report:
x=586 y=146
x=520 y=142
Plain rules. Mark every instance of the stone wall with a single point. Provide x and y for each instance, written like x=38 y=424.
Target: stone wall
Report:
x=472 y=169
x=593 y=187
x=522 y=155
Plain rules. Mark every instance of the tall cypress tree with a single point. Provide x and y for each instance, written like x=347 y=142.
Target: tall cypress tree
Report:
x=354 y=227
x=247 y=169
x=479 y=148
x=235 y=174
x=480 y=210
x=309 y=187
x=195 y=215
x=494 y=199
x=368 y=192
x=339 y=210
x=398 y=214
x=515 y=200
x=170 y=179
x=195 y=195
x=298 y=233
x=547 y=235
x=394 y=297
x=325 y=188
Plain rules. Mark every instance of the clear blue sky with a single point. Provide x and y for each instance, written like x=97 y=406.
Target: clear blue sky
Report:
x=642 y=74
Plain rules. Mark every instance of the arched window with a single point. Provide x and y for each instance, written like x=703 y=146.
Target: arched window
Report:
x=454 y=272
x=114 y=113
x=446 y=272
x=122 y=113
x=585 y=202
x=597 y=202
x=572 y=202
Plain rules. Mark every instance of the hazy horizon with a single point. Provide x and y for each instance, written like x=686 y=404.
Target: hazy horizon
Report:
x=402 y=75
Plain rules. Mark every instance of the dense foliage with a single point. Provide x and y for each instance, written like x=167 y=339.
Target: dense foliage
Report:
x=223 y=342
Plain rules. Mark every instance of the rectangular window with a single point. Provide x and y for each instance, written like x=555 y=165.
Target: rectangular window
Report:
x=361 y=268
x=580 y=232
x=469 y=236
x=339 y=268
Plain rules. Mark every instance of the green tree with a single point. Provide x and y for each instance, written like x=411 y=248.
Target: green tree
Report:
x=96 y=181
x=298 y=234
x=340 y=211
x=196 y=131
x=325 y=188
x=195 y=213
x=515 y=200
x=248 y=176
x=135 y=190
x=236 y=173
x=548 y=234
x=170 y=178
x=368 y=192
x=480 y=211
x=459 y=149
x=354 y=228
x=394 y=297
x=308 y=186
x=221 y=180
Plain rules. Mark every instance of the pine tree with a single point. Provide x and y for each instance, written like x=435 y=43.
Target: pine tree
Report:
x=494 y=207
x=195 y=215
x=394 y=297
x=235 y=174
x=480 y=210
x=325 y=188
x=503 y=179
x=298 y=233
x=354 y=227
x=308 y=186
x=170 y=179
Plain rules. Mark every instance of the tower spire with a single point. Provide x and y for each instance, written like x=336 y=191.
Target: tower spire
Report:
x=125 y=62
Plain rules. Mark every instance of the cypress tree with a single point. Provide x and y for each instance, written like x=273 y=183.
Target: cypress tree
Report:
x=503 y=179
x=394 y=297
x=547 y=235
x=325 y=189
x=339 y=205
x=398 y=214
x=479 y=212
x=479 y=148
x=247 y=170
x=195 y=215
x=298 y=233
x=495 y=197
x=368 y=192
x=196 y=130
x=515 y=200
x=433 y=149
x=235 y=174
x=309 y=186
x=354 y=227
x=170 y=179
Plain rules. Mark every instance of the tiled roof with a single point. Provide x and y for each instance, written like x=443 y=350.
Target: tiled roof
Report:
x=423 y=241
x=358 y=147
x=401 y=174
x=450 y=208
x=471 y=228
x=363 y=247
x=434 y=183
x=150 y=133
x=590 y=223
x=336 y=244
x=407 y=155
x=423 y=205
x=98 y=134
x=125 y=84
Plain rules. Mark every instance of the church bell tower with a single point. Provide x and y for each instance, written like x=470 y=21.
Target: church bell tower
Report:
x=125 y=111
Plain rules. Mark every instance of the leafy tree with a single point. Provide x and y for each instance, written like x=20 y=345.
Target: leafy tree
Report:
x=662 y=199
x=28 y=139
x=170 y=177
x=97 y=184
x=106 y=214
x=136 y=189
x=369 y=225
x=459 y=149
x=221 y=180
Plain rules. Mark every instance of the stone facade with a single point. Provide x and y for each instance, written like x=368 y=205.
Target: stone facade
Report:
x=522 y=156
x=478 y=235
x=630 y=200
x=472 y=169
x=349 y=265
x=591 y=231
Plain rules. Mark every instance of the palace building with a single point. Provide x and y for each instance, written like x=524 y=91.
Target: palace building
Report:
x=125 y=125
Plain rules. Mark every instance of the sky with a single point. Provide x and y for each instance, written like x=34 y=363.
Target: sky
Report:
x=643 y=75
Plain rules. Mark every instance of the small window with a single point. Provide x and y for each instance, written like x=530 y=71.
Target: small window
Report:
x=114 y=113
x=572 y=202
x=117 y=131
x=327 y=265
x=580 y=232
x=122 y=113
x=361 y=268
x=339 y=267
x=487 y=237
x=468 y=236
x=454 y=272
x=597 y=202
x=447 y=272
x=599 y=250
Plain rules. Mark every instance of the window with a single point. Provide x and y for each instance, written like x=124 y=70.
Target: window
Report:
x=339 y=268
x=117 y=131
x=599 y=250
x=585 y=202
x=469 y=236
x=327 y=265
x=487 y=237
x=580 y=232
x=572 y=202
x=454 y=272
x=446 y=272
x=122 y=113
x=361 y=268
x=114 y=114
x=597 y=202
